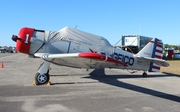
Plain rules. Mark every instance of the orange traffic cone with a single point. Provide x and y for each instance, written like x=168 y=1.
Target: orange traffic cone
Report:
x=2 y=65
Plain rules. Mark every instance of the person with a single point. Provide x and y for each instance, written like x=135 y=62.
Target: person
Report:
x=172 y=56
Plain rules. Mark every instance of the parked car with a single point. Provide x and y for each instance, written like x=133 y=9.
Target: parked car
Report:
x=14 y=50
x=9 y=50
x=177 y=55
x=2 y=50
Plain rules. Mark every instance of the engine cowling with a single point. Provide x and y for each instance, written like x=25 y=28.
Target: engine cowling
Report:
x=29 y=40
x=23 y=40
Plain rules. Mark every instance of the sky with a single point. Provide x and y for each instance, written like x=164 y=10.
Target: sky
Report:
x=108 y=18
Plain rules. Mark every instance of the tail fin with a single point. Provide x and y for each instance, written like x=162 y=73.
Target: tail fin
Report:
x=152 y=50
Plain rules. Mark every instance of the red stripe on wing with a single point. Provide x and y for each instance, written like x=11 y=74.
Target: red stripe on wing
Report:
x=100 y=57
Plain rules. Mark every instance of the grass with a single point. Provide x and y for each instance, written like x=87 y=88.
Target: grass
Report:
x=174 y=67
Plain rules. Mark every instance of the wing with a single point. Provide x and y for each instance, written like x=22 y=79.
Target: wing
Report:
x=159 y=62
x=82 y=60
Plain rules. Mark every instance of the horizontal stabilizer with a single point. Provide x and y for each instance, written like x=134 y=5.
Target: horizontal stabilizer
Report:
x=159 y=62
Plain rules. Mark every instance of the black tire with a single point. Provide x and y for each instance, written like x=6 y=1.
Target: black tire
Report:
x=144 y=74
x=41 y=78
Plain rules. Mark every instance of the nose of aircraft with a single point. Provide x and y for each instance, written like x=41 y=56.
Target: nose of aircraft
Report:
x=23 y=40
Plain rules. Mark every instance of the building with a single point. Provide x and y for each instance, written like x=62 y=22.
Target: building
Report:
x=134 y=43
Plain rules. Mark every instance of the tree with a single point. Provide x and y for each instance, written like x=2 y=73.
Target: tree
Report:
x=176 y=47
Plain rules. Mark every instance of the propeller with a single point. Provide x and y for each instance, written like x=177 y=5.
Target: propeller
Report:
x=15 y=38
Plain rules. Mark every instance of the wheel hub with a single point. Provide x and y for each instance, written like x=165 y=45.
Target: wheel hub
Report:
x=42 y=78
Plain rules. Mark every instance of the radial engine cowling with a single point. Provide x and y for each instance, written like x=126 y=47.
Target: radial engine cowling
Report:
x=29 y=40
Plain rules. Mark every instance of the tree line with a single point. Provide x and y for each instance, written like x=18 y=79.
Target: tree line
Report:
x=176 y=47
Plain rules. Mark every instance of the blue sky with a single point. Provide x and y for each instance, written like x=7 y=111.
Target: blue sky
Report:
x=107 y=18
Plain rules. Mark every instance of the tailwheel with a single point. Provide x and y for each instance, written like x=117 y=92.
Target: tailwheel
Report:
x=42 y=78
x=144 y=74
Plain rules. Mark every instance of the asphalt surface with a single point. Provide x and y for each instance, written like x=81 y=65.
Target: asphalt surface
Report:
x=78 y=90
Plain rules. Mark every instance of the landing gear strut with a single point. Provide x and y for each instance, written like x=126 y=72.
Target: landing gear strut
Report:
x=42 y=76
x=144 y=74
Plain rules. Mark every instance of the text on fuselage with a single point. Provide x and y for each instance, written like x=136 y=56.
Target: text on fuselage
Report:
x=123 y=58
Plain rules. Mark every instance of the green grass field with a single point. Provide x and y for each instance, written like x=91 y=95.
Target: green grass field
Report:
x=174 y=67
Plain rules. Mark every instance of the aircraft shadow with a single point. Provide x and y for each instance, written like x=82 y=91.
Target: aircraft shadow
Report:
x=170 y=74
x=61 y=75
x=73 y=83
x=99 y=74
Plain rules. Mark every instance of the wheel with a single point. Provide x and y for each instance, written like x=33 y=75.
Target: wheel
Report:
x=144 y=74
x=41 y=78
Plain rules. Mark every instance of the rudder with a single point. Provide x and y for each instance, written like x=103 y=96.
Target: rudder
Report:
x=153 y=50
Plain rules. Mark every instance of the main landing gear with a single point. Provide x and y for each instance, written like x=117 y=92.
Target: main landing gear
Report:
x=42 y=78
x=42 y=75
x=144 y=74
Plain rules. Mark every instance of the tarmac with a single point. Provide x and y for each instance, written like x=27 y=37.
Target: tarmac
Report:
x=78 y=90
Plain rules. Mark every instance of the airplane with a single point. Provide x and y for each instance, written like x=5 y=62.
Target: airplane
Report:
x=78 y=49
